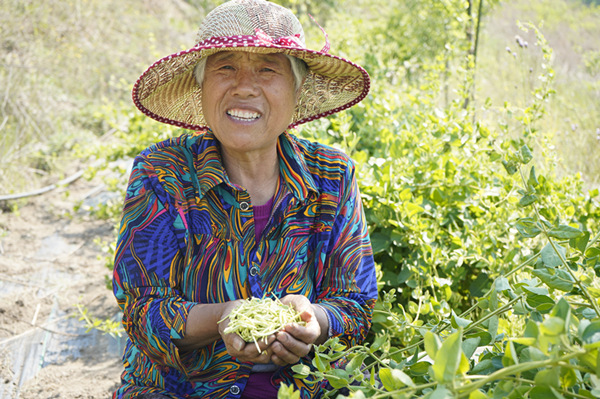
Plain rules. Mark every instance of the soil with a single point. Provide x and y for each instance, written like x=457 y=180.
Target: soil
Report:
x=53 y=268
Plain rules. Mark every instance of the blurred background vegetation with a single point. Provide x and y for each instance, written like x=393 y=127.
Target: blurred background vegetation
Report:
x=67 y=66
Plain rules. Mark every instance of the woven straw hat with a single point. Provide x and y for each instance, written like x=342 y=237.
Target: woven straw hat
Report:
x=169 y=93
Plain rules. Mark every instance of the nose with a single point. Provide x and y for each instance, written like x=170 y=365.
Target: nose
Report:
x=245 y=82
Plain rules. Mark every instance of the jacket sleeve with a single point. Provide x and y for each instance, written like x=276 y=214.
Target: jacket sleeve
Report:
x=349 y=288
x=148 y=266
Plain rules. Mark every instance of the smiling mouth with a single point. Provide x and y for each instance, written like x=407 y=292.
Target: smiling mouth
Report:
x=242 y=115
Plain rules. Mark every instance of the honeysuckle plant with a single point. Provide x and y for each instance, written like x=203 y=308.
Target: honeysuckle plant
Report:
x=488 y=267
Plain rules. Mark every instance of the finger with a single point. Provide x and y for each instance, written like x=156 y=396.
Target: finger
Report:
x=298 y=302
x=259 y=352
x=234 y=343
x=280 y=362
x=258 y=347
x=255 y=357
x=307 y=333
x=281 y=356
x=290 y=349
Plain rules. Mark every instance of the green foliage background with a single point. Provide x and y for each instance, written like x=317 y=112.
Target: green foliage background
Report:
x=476 y=150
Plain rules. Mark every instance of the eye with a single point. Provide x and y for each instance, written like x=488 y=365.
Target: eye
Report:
x=226 y=67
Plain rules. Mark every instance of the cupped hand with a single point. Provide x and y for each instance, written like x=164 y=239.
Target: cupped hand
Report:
x=295 y=340
x=237 y=347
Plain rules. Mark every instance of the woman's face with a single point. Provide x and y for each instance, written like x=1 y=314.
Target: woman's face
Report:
x=248 y=99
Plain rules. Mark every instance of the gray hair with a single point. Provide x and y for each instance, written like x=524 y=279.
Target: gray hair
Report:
x=299 y=70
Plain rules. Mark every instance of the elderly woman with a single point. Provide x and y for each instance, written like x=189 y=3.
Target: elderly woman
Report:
x=241 y=208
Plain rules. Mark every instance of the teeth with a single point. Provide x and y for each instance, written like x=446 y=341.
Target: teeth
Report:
x=241 y=114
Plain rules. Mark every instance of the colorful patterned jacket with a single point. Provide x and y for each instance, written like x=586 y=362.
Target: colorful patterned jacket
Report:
x=187 y=237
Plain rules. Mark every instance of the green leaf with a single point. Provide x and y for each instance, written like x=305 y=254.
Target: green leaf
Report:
x=510 y=355
x=380 y=242
x=287 y=392
x=448 y=358
x=590 y=359
x=338 y=378
x=413 y=209
x=562 y=310
x=559 y=280
x=501 y=284
x=510 y=166
x=377 y=342
x=464 y=365
x=552 y=326
x=493 y=323
x=542 y=303
x=356 y=362
x=393 y=379
x=441 y=392
x=484 y=337
x=584 y=393
x=528 y=227
x=469 y=346
x=531 y=329
x=459 y=322
x=591 y=333
x=534 y=290
x=532 y=354
x=568 y=378
x=591 y=252
x=302 y=370
x=525 y=154
x=486 y=366
x=527 y=200
x=318 y=363
x=564 y=232
x=549 y=256
x=548 y=377
x=477 y=395
x=432 y=344
x=524 y=341
x=532 y=180
x=543 y=392
x=478 y=287
x=419 y=368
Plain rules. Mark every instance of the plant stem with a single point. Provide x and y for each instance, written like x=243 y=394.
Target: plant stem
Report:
x=495 y=312
x=469 y=327
x=532 y=384
x=516 y=369
x=592 y=242
x=578 y=282
x=407 y=389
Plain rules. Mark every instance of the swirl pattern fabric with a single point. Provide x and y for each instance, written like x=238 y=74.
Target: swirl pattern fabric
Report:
x=185 y=239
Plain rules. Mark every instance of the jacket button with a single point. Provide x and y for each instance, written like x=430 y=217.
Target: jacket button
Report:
x=253 y=271
x=244 y=206
x=235 y=390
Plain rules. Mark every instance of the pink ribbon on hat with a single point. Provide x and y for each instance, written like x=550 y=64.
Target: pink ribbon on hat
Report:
x=262 y=38
x=287 y=41
x=290 y=41
x=326 y=47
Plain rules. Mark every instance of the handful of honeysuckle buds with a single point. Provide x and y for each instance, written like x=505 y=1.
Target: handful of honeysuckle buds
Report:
x=257 y=318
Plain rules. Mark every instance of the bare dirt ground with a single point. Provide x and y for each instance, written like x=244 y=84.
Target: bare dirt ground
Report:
x=51 y=262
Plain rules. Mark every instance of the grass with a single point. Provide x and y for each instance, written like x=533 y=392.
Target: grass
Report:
x=509 y=71
x=62 y=60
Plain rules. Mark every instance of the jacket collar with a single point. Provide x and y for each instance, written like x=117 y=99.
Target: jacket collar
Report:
x=292 y=166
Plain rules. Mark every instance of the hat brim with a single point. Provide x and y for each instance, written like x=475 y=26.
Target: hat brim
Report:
x=168 y=92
